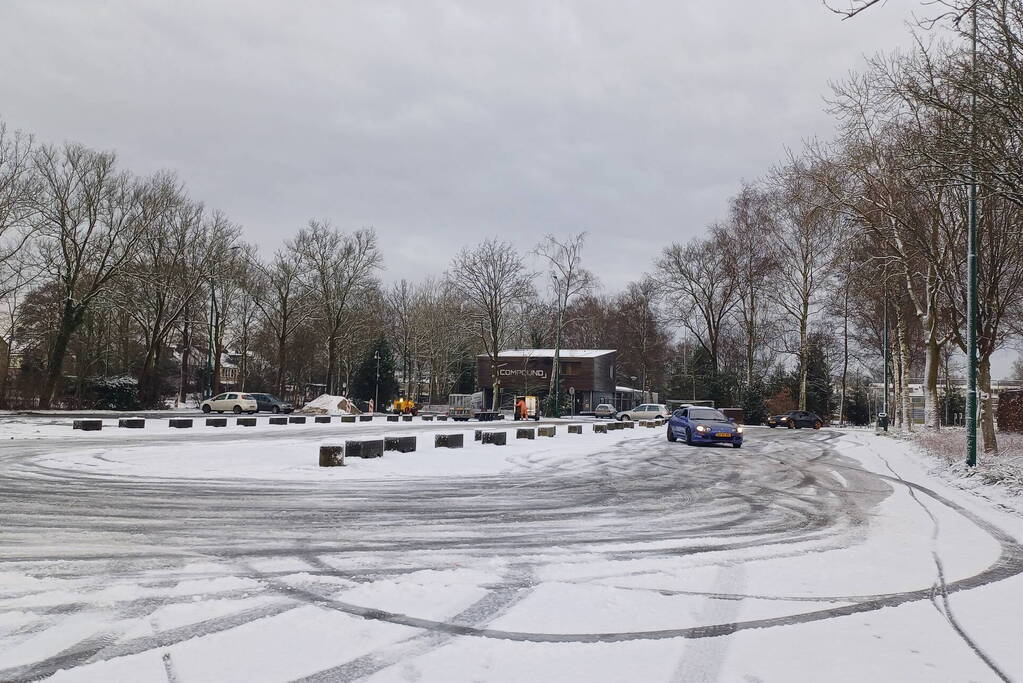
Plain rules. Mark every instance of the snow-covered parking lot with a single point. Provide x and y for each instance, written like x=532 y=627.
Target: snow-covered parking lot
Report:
x=229 y=555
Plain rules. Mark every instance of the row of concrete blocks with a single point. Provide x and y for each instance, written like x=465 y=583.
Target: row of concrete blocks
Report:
x=93 y=425
x=651 y=423
x=334 y=456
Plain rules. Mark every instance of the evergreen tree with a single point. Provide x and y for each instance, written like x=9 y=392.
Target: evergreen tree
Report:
x=857 y=402
x=364 y=380
x=819 y=389
x=754 y=401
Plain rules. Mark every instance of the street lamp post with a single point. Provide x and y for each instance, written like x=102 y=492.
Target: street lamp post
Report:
x=971 y=268
x=557 y=346
x=208 y=384
x=376 y=395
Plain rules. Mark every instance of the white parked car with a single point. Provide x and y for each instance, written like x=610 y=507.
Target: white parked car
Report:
x=604 y=410
x=233 y=401
x=647 y=411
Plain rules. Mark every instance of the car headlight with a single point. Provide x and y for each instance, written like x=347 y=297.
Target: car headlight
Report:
x=738 y=430
x=701 y=428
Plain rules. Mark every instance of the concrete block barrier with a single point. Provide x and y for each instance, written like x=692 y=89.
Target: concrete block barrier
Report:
x=132 y=423
x=575 y=429
x=600 y=428
x=448 y=440
x=393 y=418
x=364 y=449
x=525 y=434
x=278 y=420
x=216 y=421
x=401 y=444
x=347 y=418
x=478 y=435
x=332 y=456
x=296 y=419
x=406 y=418
x=365 y=418
x=442 y=418
x=427 y=418
x=87 y=425
x=246 y=422
x=180 y=422
x=322 y=419
x=546 y=431
x=629 y=425
x=495 y=438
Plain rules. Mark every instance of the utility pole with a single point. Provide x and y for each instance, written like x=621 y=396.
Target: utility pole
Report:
x=971 y=270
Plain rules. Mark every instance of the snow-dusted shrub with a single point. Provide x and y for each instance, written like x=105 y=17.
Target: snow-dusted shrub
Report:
x=1005 y=468
x=112 y=393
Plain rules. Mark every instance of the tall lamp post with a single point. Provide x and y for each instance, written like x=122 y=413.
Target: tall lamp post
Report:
x=971 y=271
x=376 y=395
x=557 y=346
x=208 y=384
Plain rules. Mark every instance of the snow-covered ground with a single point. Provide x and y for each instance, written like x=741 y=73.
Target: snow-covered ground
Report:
x=228 y=555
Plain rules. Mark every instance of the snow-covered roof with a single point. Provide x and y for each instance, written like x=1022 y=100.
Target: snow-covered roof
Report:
x=549 y=353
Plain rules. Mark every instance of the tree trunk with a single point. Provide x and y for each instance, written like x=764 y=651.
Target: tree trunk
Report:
x=932 y=360
x=331 y=360
x=906 y=402
x=70 y=318
x=281 y=355
x=6 y=371
x=186 y=348
x=986 y=403
x=802 y=359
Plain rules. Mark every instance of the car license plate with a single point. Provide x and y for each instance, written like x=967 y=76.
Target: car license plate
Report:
x=722 y=435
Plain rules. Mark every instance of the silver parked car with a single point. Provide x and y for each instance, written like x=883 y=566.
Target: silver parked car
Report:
x=647 y=411
x=605 y=410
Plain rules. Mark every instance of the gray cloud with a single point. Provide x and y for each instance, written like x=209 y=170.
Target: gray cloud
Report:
x=440 y=123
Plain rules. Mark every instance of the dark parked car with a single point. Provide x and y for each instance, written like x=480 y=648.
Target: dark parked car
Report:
x=268 y=403
x=795 y=419
x=697 y=424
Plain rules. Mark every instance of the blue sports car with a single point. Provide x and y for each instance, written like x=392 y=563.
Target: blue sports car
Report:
x=703 y=425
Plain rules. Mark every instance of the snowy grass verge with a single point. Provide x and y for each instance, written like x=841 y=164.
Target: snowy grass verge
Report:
x=1002 y=472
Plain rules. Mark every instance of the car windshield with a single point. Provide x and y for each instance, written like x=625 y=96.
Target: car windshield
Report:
x=706 y=414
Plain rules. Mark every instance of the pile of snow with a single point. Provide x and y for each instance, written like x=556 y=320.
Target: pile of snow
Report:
x=325 y=404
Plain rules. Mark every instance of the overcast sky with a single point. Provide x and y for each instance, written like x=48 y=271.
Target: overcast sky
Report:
x=442 y=123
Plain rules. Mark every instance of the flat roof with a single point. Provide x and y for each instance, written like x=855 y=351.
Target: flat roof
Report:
x=549 y=353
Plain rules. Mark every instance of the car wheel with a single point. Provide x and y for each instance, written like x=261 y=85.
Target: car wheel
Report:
x=736 y=445
x=626 y=418
x=689 y=437
x=276 y=409
x=671 y=434
x=792 y=424
x=206 y=409
x=772 y=426
x=237 y=410
x=817 y=424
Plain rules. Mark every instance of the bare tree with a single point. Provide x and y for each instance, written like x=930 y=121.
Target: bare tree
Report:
x=491 y=277
x=336 y=267
x=285 y=305
x=746 y=239
x=568 y=280
x=702 y=274
x=803 y=247
x=91 y=221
